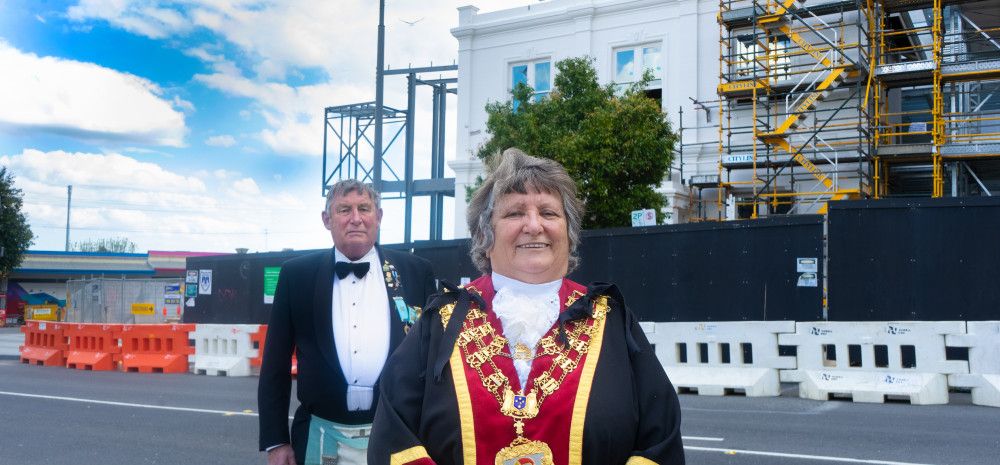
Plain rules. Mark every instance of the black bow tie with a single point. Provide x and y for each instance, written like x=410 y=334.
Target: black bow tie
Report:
x=343 y=269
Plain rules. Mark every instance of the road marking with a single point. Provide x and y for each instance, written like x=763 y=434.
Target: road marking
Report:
x=822 y=408
x=799 y=456
x=702 y=438
x=127 y=404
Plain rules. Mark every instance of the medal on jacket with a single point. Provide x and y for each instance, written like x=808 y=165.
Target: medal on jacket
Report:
x=480 y=343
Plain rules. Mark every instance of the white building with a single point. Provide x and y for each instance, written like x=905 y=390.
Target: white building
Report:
x=785 y=106
x=678 y=40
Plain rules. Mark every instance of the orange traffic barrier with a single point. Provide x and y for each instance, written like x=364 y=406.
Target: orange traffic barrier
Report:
x=156 y=348
x=93 y=346
x=44 y=343
x=258 y=339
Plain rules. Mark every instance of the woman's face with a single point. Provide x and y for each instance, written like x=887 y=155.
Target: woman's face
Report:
x=531 y=242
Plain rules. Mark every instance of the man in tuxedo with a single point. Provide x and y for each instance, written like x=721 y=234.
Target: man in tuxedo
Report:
x=342 y=312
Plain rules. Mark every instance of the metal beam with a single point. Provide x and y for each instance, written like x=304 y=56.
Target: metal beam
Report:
x=379 y=91
x=425 y=69
x=411 y=106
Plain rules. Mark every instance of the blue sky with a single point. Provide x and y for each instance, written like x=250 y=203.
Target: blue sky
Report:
x=197 y=124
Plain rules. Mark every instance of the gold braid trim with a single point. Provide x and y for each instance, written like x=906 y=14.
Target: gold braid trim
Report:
x=600 y=310
x=409 y=455
x=637 y=460
x=445 y=313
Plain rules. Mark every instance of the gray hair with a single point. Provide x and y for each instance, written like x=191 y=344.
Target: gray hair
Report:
x=346 y=186
x=519 y=172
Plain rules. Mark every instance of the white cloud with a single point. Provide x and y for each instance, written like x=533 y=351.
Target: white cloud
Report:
x=99 y=170
x=246 y=186
x=159 y=209
x=184 y=105
x=255 y=47
x=133 y=16
x=83 y=100
x=224 y=140
x=294 y=115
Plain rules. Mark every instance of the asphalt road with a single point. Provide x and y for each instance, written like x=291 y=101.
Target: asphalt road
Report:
x=57 y=416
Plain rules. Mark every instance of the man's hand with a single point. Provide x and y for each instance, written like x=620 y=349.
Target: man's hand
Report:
x=281 y=455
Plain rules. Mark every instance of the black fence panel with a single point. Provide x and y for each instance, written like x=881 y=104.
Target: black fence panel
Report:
x=731 y=271
x=237 y=294
x=450 y=259
x=914 y=259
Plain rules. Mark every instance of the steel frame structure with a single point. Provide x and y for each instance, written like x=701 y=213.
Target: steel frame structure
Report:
x=812 y=93
x=358 y=152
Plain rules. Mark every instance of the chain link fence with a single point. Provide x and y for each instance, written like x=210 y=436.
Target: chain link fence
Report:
x=128 y=301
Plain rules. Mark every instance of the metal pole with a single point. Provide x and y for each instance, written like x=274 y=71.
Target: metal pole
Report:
x=379 y=77
x=69 y=202
x=326 y=122
x=434 y=161
x=411 y=108
x=680 y=139
x=439 y=173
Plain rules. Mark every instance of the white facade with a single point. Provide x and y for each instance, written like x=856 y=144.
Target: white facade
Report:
x=490 y=44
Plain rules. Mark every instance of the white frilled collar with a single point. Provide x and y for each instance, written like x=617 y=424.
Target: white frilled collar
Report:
x=526 y=311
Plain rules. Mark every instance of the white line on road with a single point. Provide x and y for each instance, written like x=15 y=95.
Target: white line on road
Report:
x=127 y=404
x=819 y=409
x=702 y=438
x=201 y=410
x=799 y=456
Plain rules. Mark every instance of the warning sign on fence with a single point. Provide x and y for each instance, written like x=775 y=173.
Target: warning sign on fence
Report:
x=143 y=309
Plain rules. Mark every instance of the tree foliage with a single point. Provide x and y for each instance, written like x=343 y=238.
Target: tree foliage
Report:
x=616 y=144
x=15 y=234
x=106 y=244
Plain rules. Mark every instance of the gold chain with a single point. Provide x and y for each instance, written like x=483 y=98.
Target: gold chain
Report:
x=545 y=384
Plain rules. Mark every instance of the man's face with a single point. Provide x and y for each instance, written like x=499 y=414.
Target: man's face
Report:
x=353 y=221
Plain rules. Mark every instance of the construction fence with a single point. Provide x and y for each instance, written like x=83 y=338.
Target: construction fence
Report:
x=125 y=301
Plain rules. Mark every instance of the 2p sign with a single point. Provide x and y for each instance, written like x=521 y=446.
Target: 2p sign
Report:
x=646 y=217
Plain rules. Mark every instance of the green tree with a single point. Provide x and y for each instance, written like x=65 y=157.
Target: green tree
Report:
x=15 y=235
x=106 y=244
x=616 y=144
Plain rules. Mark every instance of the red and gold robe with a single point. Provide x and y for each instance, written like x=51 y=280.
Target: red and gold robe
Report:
x=614 y=405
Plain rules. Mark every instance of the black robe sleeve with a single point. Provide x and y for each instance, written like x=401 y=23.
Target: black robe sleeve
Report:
x=274 y=385
x=401 y=397
x=659 y=431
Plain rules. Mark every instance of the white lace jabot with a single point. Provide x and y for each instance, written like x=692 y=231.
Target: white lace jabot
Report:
x=526 y=311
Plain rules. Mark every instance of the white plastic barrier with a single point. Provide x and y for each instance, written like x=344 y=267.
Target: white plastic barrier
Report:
x=724 y=357
x=983 y=341
x=871 y=360
x=223 y=350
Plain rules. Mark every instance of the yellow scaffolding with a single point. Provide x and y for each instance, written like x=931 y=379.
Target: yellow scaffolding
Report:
x=817 y=93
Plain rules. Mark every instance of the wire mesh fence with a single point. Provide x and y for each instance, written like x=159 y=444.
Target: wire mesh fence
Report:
x=129 y=301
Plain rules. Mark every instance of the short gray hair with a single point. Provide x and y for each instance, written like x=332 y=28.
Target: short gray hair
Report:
x=519 y=172
x=346 y=186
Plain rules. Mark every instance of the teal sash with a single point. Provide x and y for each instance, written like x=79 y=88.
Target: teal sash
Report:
x=326 y=440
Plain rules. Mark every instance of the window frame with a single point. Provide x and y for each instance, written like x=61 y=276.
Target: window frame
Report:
x=531 y=77
x=639 y=61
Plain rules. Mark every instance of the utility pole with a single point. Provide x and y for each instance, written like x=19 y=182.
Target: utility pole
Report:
x=379 y=77
x=69 y=202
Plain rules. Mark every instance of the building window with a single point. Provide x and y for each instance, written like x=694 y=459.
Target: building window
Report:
x=750 y=58
x=631 y=62
x=535 y=74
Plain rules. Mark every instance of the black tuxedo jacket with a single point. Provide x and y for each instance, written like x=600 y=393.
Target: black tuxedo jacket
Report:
x=301 y=320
